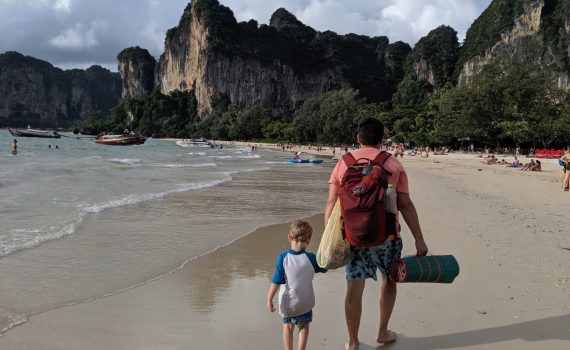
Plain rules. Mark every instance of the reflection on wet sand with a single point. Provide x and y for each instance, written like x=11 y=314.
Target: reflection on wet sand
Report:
x=207 y=278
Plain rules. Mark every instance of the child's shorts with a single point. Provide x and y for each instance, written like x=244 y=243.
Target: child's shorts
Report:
x=301 y=320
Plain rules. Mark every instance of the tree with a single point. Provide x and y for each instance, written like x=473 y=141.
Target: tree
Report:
x=330 y=118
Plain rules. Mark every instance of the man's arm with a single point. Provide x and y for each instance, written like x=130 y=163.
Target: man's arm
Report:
x=331 y=200
x=410 y=215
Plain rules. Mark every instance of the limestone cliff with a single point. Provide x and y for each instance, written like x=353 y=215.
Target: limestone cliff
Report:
x=537 y=34
x=275 y=66
x=434 y=57
x=136 y=67
x=36 y=93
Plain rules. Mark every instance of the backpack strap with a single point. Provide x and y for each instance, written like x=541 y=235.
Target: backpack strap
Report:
x=381 y=158
x=349 y=160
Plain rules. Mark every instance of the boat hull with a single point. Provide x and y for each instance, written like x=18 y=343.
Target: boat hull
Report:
x=313 y=161
x=34 y=133
x=195 y=143
x=122 y=141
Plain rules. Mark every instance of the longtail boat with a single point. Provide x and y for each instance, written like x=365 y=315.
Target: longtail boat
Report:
x=34 y=133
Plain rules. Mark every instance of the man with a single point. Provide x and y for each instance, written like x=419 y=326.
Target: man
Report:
x=365 y=260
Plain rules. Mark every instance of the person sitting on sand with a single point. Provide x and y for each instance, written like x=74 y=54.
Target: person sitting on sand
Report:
x=490 y=159
x=537 y=166
x=516 y=163
x=528 y=166
x=294 y=274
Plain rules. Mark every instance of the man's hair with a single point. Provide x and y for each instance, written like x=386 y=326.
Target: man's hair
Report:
x=300 y=231
x=370 y=131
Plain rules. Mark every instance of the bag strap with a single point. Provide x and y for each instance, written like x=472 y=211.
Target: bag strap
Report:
x=349 y=160
x=380 y=159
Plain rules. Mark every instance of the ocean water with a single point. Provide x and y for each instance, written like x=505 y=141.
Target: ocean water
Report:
x=84 y=221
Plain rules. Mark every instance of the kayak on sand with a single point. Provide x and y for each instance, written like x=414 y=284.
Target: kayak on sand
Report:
x=314 y=161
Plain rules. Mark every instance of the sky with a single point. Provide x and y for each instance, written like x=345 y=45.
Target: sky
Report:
x=80 y=33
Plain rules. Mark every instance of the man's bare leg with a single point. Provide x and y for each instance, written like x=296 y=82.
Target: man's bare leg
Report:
x=353 y=311
x=303 y=337
x=387 y=301
x=288 y=336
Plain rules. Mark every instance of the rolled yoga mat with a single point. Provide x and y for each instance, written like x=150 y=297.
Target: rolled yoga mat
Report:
x=429 y=268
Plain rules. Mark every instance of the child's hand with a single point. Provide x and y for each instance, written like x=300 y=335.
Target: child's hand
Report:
x=270 y=305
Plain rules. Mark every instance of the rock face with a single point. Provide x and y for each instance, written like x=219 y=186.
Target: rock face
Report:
x=434 y=57
x=36 y=93
x=136 y=67
x=277 y=66
x=538 y=35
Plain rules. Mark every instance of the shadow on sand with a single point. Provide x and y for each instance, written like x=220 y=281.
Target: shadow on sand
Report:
x=538 y=330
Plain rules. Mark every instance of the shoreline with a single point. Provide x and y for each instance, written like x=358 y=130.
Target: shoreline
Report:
x=487 y=219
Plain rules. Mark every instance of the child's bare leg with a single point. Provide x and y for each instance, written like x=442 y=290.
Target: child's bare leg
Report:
x=303 y=337
x=288 y=335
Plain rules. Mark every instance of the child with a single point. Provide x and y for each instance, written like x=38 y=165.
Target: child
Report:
x=294 y=279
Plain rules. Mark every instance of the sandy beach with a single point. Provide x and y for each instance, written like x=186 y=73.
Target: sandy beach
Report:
x=506 y=228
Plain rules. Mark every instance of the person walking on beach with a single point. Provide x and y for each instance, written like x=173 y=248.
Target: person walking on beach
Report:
x=293 y=278
x=379 y=253
x=566 y=160
x=15 y=147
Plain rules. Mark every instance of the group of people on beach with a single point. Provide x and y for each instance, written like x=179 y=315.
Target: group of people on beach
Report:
x=533 y=165
x=296 y=268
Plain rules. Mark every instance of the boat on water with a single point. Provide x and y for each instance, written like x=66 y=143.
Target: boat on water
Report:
x=194 y=143
x=34 y=133
x=313 y=161
x=120 y=140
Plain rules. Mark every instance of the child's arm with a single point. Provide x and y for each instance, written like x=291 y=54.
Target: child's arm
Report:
x=313 y=260
x=270 y=294
x=278 y=279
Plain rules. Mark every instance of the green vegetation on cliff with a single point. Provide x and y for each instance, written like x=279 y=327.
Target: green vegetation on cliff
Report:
x=440 y=51
x=37 y=93
x=487 y=28
x=520 y=106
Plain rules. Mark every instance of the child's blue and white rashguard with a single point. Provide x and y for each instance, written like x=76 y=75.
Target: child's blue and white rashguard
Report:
x=295 y=272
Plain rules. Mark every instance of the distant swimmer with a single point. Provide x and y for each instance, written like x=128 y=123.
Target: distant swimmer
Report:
x=15 y=147
x=56 y=147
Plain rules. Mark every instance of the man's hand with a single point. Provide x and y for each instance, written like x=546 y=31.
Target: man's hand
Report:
x=270 y=306
x=421 y=247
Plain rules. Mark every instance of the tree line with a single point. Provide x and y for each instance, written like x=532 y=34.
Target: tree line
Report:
x=502 y=107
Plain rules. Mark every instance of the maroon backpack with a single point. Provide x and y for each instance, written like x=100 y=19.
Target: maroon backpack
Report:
x=366 y=221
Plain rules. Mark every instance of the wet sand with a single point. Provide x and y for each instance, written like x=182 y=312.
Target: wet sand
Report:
x=505 y=227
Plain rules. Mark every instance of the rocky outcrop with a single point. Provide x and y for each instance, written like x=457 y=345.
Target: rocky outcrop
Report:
x=36 y=93
x=535 y=38
x=136 y=67
x=277 y=66
x=434 y=57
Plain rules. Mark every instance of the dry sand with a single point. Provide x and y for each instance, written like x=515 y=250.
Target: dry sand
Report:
x=506 y=227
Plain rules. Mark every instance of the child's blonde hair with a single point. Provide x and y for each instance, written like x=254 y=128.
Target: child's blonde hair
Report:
x=300 y=231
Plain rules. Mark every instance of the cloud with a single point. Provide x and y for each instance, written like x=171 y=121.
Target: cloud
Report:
x=78 y=37
x=406 y=20
x=67 y=32
x=62 y=5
